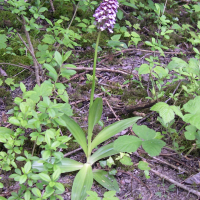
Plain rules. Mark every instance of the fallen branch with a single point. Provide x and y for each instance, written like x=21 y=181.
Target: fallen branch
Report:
x=176 y=183
x=99 y=69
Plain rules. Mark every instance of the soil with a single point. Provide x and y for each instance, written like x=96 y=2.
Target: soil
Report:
x=132 y=182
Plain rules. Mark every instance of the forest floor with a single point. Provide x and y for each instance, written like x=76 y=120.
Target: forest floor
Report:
x=169 y=171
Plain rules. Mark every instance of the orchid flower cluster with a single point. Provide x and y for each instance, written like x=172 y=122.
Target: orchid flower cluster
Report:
x=105 y=15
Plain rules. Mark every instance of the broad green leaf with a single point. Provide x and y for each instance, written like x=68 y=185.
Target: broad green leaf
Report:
x=76 y=131
x=58 y=58
x=177 y=110
x=52 y=71
x=143 y=165
x=56 y=174
x=93 y=196
x=66 y=56
x=23 y=179
x=126 y=161
x=36 y=192
x=103 y=152
x=46 y=154
x=106 y=180
x=48 y=192
x=110 y=195
x=120 y=14
x=193 y=119
x=4 y=130
x=193 y=66
x=190 y=132
x=27 y=195
x=127 y=143
x=153 y=147
x=69 y=165
x=196 y=8
x=82 y=183
x=192 y=106
x=67 y=72
x=22 y=87
x=45 y=177
x=60 y=187
x=144 y=132
x=42 y=9
x=95 y=113
x=14 y=120
x=49 y=39
x=164 y=110
x=3 y=39
x=27 y=167
x=110 y=162
x=176 y=63
x=144 y=69
x=160 y=71
x=65 y=165
x=113 y=129
x=44 y=90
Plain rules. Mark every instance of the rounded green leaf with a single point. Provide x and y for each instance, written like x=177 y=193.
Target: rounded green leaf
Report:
x=153 y=147
x=36 y=192
x=127 y=143
x=45 y=177
x=23 y=179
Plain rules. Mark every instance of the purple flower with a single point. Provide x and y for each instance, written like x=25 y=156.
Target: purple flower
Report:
x=105 y=15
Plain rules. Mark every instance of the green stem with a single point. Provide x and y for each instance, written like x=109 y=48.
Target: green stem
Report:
x=94 y=69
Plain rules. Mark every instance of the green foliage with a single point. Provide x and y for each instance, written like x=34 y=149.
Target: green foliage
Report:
x=146 y=137
x=40 y=114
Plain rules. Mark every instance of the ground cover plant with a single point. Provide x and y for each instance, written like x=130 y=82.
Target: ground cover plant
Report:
x=47 y=39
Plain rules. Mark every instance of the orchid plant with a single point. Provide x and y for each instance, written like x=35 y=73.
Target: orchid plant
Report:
x=105 y=19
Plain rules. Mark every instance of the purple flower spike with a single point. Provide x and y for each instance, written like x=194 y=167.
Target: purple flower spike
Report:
x=105 y=15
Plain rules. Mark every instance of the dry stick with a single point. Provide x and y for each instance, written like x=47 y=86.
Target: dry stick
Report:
x=174 y=91
x=133 y=49
x=31 y=50
x=71 y=152
x=173 y=166
x=112 y=110
x=169 y=179
x=130 y=129
x=99 y=69
x=52 y=6
x=176 y=183
x=178 y=161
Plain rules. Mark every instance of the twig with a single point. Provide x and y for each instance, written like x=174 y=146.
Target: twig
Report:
x=31 y=50
x=174 y=91
x=169 y=179
x=99 y=69
x=111 y=109
x=19 y=72
x=52 y=6
x=71 y=152
x=132 y=49
x=173 y=166
x=176 y=183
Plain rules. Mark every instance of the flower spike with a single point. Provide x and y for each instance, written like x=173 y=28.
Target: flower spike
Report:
x=105 y=15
